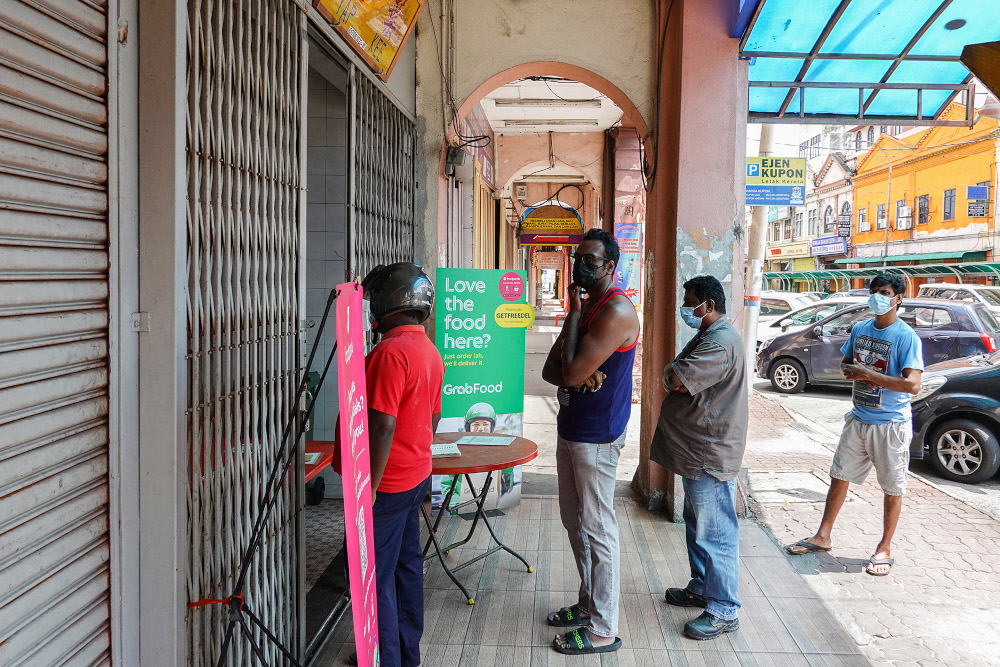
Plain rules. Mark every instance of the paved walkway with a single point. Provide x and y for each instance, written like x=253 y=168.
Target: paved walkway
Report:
x=941 y=603
x=784 y=621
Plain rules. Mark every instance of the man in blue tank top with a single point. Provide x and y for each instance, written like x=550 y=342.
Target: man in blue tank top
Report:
x=591 y=363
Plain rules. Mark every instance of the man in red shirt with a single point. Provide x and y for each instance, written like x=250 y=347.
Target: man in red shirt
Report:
x=405 y=374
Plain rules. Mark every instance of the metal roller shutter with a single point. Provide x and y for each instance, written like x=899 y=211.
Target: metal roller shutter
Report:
x=54 y=542
x=244 y=180
x=382 y=179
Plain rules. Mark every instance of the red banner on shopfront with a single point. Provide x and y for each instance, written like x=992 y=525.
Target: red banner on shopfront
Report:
x=356 y=471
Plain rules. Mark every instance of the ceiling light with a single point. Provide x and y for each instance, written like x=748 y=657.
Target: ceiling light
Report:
x=560 y=178
x=550 y=121
x=514 y=102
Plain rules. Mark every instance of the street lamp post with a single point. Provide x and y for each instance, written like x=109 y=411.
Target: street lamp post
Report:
x=888 y=200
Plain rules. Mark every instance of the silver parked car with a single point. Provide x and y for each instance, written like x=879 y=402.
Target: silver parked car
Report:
x=987 y=295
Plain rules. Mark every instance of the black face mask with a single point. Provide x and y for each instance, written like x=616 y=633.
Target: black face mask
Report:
x=584 y=275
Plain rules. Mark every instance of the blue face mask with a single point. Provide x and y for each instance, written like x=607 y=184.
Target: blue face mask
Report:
x=687 y=314
x=880 y=304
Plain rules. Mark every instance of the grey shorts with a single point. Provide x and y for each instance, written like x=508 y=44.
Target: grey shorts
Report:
x=886 y=447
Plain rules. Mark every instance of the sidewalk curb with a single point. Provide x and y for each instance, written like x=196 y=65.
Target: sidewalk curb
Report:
x=835 y=437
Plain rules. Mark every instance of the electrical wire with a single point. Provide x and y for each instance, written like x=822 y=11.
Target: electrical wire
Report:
x=545 y=80
x=465 y=140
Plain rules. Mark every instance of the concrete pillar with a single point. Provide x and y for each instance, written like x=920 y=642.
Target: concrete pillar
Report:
x=695 y=209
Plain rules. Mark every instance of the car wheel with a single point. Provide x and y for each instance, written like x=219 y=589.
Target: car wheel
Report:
x=787 y=376
x=963 y=450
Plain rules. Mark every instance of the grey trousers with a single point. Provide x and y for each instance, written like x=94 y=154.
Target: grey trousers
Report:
x=586 y=505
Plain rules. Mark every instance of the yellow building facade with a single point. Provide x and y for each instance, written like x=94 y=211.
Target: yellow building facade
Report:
x=912 y=202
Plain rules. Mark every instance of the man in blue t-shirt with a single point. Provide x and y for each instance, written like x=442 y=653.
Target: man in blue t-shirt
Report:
x=884 y=358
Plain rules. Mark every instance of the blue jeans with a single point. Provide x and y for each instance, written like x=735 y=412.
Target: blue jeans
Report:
x=399 y=575
x=713 y=543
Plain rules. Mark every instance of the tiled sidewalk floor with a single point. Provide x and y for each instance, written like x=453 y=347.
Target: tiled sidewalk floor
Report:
x=783 y=621
x=941 y=603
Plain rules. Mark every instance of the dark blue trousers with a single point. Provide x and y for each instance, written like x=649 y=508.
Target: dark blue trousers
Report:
x=399 y=575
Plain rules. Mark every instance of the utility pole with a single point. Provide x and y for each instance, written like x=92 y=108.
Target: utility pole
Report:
x=888 y=201
x=755 y=264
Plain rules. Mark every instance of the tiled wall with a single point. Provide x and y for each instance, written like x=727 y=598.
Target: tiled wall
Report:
x=326 y=230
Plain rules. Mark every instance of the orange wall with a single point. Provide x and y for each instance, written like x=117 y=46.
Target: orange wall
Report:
x=927 y=163
x=967 y=165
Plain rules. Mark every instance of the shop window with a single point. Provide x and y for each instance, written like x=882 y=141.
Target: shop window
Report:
x=923 y=209
x=949 y=204
x=880 y=221
x=863 y=224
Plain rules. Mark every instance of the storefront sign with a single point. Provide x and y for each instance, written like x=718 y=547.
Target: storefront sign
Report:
x=977 y=192
x=552 y=261
x=977 y=209
x=790 y=250
x=628 y=273
x=551 y=225
x=476 y=124
x=376 y=29
x=829 y=245
x=482 y=315
x=775 y=181
x=356 y=472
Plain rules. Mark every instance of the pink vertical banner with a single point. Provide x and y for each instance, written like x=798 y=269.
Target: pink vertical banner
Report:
x=356 y=471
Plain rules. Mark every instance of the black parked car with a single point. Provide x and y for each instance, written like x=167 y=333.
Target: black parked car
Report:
x=948 y=330
x=956 y=418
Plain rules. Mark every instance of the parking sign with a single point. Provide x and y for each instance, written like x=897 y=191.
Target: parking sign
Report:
x=774 y=181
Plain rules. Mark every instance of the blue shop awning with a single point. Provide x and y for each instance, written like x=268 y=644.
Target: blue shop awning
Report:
x=860 y=61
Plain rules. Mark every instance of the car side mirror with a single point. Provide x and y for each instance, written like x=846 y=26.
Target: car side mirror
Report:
x=785 y=323
x=818 y=332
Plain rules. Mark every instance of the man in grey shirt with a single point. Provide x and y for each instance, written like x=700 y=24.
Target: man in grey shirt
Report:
x=701 y=436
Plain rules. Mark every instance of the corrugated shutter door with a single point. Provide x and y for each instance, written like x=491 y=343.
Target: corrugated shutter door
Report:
x=54 y=578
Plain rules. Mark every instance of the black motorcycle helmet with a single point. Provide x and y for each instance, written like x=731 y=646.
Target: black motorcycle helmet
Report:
x=396 y=287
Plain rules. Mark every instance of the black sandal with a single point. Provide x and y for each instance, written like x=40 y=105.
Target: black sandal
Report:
x=579 y=644
x=569 y=617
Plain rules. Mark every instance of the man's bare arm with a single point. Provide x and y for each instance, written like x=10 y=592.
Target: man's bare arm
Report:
x=610 y=329
x=552 y=370
x=909 y=383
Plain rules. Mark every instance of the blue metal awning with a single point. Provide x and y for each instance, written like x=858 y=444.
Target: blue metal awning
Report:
x=860 y=61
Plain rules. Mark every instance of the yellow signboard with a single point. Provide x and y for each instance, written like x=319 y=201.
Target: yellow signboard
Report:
x=376 y=29
x=776 y=171
x=551 y=218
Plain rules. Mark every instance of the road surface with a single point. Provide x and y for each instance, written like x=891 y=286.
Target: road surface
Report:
x=825 y=407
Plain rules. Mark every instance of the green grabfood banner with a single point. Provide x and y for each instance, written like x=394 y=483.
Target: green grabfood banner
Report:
x=482 y=315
